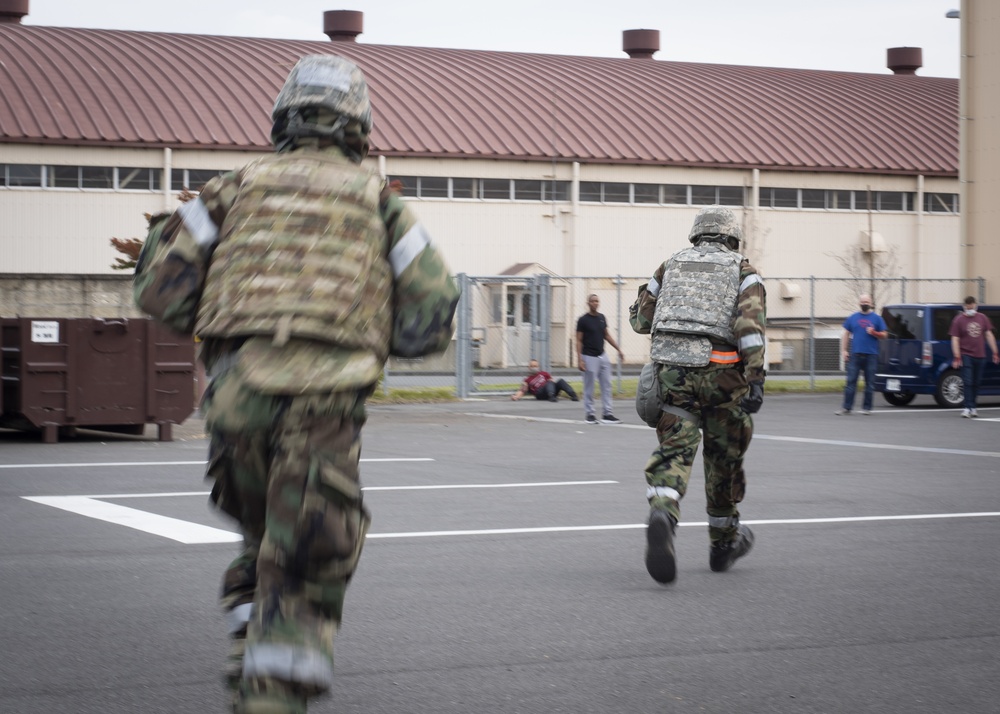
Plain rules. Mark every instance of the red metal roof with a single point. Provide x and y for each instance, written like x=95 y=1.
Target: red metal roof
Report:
x=117 y=88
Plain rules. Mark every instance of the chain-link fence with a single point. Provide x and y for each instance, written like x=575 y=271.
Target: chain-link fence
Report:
x=503 y=321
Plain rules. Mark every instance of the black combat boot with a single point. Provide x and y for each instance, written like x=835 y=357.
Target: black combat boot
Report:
x=661 y=561
x=723 y=555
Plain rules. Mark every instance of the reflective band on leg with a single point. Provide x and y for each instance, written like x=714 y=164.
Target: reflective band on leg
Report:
x=408 y=248
x=662 y=492
x=199 y=223
x=239 y=616
x=682 y=413
x=653 y=288
x=722 y=521
x=288 y=663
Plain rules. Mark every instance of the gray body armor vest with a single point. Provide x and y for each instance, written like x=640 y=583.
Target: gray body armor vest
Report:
x=696 y=304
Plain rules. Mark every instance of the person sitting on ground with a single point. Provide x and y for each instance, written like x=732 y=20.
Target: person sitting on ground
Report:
x=542 y=385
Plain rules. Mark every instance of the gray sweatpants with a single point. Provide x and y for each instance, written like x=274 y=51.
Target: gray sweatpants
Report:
x=599 y=367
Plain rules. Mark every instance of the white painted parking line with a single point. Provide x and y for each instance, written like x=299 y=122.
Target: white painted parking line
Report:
x=174 y=528
x=169 y=494
x=81 y=464
x=96 y=506
x=768 y=437
x=628 y=526
x=486 y=485
x=194 y=533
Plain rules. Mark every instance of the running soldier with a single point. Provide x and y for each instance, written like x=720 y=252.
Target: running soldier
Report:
x=301 y=273
x=705 y=309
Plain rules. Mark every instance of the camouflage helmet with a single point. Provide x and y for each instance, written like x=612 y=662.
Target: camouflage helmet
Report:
x=329 y=82
x=715 y=220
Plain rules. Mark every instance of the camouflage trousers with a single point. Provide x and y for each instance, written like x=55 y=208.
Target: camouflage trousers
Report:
x=286 y=468
x=711 y=395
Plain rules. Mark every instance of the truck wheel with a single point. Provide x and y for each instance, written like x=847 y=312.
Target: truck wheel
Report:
x=950 y=390
x=899 y=399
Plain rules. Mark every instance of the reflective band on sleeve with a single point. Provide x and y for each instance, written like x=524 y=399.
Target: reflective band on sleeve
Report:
x=653 y=288
x=722 y=522
x=199 y=223
x=239 y=616
x=662 y=492
x=752 y=279
x=754 y=340
x=288 y=663
x=724 y=357
x=408 y=248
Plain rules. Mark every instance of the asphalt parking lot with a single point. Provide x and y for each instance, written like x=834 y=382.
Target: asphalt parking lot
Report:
x=504 y=571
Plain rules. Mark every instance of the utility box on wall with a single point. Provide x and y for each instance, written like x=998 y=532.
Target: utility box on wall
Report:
x=108 y=374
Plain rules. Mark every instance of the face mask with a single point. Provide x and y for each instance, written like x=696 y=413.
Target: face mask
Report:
x=970 y=312
x=865 y=308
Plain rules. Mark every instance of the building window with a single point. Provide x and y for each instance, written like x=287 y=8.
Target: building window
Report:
x=463 y=188
x=890 y=201
x=704 y=196
x=590 y=191
x=617 y=193
x=646 y=192
x=525 y=190
x=131 y=179
x=555 y=190
x=730 y=195
x=785 y=197
x=813 y=198
x=495 y=189
x=941 y=203
x=97 y=177
x=404 y=185
x=838 y=200
x=192 y=179
x=433 y=187
x=675 y=195
x=63 y=177
x=22 y=175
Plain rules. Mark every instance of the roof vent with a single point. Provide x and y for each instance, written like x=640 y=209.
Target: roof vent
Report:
x=641 y=44
x=904 y=60
x=11 y=11
x=343 y=25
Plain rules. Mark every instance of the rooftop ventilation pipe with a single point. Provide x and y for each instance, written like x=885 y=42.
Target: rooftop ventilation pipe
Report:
x=641 y=44
x=343 y=25
x=904 y=60
x=11 y=11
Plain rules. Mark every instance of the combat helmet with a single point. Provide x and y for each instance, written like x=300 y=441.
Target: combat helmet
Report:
x=327 y=82
x=719 y=223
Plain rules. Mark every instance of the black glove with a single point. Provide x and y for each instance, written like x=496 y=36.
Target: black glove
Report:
x=754 y=398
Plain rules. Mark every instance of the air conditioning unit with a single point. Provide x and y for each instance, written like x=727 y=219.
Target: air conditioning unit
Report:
x=788 y=290
x=873 y=244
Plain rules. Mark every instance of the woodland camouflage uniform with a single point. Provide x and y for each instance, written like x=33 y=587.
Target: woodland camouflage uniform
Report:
x=301 y=273
x=707 y=398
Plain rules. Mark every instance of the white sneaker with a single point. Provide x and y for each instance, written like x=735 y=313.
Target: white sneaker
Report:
x=973 y=413
x=966 y=413
x=865 y=412
x=843 y=412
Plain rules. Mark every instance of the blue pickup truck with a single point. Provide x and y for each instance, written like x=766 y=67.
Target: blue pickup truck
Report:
x=915 y=358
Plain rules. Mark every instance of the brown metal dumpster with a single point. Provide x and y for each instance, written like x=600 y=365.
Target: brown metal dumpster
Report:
x=108 y=374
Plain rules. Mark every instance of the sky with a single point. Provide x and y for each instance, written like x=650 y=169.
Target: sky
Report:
x=838 y=35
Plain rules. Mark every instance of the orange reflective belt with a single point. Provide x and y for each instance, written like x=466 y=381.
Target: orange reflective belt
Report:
x=724 y=357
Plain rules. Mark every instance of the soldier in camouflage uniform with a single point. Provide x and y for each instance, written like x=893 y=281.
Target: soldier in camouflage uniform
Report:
x=301 y=273
x=705 y=309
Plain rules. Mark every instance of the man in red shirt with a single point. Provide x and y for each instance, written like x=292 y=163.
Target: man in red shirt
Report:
x=970 y=330
x=541 y=384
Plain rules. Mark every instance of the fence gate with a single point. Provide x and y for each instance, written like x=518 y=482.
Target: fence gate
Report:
x=502 y=323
